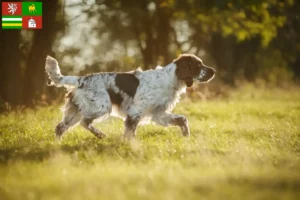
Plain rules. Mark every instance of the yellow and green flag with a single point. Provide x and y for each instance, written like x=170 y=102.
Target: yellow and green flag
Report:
x=22 y=15
x=32 y=9
x=11 y=22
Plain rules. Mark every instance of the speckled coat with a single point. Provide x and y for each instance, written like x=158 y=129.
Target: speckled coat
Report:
x=137 y=97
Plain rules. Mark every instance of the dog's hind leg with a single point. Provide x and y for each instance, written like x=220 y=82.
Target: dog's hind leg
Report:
x=70 y=118
x=87 y=124
x=99 y=108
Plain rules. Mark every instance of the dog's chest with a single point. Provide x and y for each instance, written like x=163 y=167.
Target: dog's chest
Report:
x=169 y=98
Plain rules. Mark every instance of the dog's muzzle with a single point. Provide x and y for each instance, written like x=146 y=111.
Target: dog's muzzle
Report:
x=206 y=74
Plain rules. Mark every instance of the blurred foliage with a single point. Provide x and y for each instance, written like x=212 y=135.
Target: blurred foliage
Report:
x=243 y=19
x=243 y=40
x=230 y=35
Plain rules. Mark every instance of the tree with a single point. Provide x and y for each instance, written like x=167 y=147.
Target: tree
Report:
x=230 y=32
x=22 y=74
x=35 y=77
x=147 y=22
x=10 y=70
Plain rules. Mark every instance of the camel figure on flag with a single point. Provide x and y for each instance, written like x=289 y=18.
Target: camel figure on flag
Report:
x=32 y=8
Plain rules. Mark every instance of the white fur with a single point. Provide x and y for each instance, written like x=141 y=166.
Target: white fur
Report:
x=159 y=89
x=57 y=78
x=157 y=94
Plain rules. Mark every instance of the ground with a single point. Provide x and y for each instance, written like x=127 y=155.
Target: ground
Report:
x=244 y=146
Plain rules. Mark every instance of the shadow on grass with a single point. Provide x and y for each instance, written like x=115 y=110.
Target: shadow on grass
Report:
x=40 y=153
x=267 y=183
x=113 y=147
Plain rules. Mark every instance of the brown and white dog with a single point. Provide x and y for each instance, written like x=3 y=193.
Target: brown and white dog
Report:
x=137 y=97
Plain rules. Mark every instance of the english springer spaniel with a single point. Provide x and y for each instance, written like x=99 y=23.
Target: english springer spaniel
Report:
x=137 y=97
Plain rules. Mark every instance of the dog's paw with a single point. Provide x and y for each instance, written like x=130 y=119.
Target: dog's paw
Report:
x=100 y=135
x=185 y=131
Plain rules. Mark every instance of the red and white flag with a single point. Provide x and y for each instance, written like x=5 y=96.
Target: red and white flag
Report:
x=12 y=8
x=32 y=22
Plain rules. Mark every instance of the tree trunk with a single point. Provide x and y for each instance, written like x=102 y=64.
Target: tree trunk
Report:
x=142 y=24
x=10 y=74
x=163 y=36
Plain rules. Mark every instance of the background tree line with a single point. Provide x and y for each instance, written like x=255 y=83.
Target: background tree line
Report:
x=242 y=39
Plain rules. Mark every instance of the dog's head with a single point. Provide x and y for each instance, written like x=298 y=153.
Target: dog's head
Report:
x=190 y=68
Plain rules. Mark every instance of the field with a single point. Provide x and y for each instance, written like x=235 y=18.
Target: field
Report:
x=245 y=146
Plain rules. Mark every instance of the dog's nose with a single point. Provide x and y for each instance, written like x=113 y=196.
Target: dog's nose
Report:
x=211 y=72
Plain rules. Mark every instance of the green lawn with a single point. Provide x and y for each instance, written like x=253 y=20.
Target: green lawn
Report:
x=246 y=146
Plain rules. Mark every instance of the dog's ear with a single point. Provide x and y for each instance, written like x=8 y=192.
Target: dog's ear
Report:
x=182 y=70
x=186 y=68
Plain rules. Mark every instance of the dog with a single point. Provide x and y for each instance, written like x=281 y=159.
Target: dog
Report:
x=137 y=96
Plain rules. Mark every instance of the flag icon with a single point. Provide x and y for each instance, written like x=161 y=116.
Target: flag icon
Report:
x=22 y=15
x=11 y=22
x=32 y=22
x=11 y=8
x=32 y=8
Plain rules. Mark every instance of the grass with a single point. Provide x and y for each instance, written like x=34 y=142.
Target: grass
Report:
x=244 y=147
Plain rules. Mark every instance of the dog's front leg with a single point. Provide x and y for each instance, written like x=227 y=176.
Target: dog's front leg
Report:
x=168 y=119
x=131 y=123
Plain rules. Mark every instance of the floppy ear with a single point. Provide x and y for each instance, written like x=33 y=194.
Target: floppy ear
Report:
x=184 y=70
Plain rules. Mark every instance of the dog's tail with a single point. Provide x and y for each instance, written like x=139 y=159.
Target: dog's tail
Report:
x=56 y=77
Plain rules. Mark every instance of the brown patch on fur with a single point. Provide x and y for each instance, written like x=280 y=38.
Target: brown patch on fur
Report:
x=127 y=83
x=115 y=98
x=188 y=66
